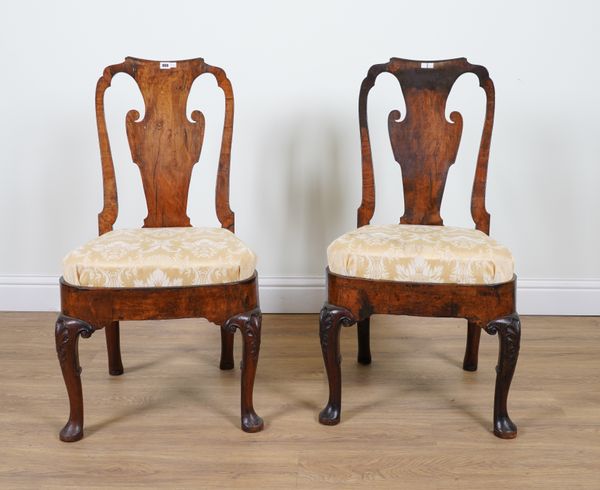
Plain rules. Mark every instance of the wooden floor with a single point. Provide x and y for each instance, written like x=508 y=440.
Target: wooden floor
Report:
x=413 y=419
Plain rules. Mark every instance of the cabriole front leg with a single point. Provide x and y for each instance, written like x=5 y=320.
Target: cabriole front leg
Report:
x=68 y=331
x=331 y=319
x=509 y=336
x=249 y=325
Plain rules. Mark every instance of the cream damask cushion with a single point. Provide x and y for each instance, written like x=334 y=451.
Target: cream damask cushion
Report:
x=160 y=257
x=418 y=253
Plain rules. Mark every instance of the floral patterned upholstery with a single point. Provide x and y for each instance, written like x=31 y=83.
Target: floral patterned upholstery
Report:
x=418 y=253
x=160 y=257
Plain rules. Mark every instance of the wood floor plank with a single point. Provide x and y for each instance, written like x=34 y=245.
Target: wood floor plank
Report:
x=413 y=419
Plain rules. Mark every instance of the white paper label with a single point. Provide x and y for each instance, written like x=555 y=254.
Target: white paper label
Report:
x=427 y=65
x=166 y=65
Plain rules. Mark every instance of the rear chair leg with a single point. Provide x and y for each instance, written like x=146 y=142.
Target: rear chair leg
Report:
x=509 y=337
x=364 y=345
x=226 y=349
x=67 y=332
x=249 y=325
x=113 y=346
x=472 y=349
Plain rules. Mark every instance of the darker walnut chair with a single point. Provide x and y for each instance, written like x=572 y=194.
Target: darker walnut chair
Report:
x=420 y=267
x=168 y=269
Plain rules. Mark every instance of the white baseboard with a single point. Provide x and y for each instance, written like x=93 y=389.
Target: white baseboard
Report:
x=306 y=294
x=291 y=294
x=29 y=293
x=558 y=296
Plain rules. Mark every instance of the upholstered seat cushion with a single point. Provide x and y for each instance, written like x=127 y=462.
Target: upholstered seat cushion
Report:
x=160 y=257
x=418 y=253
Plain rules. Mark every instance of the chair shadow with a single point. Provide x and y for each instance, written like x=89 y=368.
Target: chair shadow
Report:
x=451 y=360
x=478 y=417
x=180 y=389
x=280 y=387
x=276 y=381
x=127 y=369
x=402 y=386
x=123 y=414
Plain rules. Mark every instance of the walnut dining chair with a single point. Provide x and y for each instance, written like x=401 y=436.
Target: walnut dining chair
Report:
x=420 y=267
x=168 y=269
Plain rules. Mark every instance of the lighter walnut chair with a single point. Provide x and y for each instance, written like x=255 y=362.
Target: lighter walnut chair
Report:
x=420 y=267
x=167 y=269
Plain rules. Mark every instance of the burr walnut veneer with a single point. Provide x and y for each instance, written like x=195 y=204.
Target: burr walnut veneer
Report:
x=425 y=144
x=165 y=145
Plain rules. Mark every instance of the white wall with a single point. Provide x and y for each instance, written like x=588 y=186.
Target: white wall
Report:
x=296 y=69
